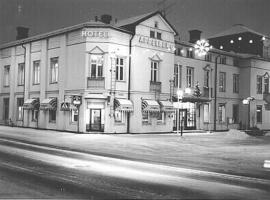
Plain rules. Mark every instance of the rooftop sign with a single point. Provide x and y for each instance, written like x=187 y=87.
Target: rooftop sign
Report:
x=95 y=34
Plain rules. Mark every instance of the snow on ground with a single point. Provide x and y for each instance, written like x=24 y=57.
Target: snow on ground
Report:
x=228 y=152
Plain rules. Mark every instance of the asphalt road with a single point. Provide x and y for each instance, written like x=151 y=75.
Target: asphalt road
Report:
x=32 y=171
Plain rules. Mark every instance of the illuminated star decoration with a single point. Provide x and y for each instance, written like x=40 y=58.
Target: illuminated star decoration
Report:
x=201 y=47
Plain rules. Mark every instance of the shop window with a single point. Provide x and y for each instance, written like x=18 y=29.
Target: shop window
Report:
x=161 y=118
x=154 y=71
x=6 y=75
x=222 y=81
x=74 y=115
x=34 y=115
x=221 y=113
x=145 y=117
x=54 y=70
x=177 y=75
x=96 y=66
x=259 y=113
x=235 y=83
x=20 y=109
x=36 y=72
x=120 y=69
x=235 y=112
x=190 y=77
x=52 y=116
x=119 y=117
x=259 y=85
x=206 y=113
x=21 y=74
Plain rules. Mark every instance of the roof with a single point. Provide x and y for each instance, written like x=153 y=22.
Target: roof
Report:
x=138 y=19
x=93 y=24
x=236 y=29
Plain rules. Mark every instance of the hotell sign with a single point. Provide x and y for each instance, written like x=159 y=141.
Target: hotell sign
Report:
x=95 y=34
x=156 y=43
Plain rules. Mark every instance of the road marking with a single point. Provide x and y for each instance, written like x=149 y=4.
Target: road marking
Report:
x=266 y=164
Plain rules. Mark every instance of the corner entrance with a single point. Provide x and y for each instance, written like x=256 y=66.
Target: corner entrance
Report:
x=95 y=120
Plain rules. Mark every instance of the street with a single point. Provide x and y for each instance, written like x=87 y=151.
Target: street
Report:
x=39 y=171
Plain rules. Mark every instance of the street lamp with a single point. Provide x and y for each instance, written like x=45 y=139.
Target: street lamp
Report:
x=247 y=102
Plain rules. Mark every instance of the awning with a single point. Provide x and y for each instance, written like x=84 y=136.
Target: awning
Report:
x=31 y=104
x=150 y=106
x=166 y=106
x=48 y=104
x=124 y=105
x=65 y=106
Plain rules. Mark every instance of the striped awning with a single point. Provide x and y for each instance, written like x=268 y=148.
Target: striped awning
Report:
x=150 y=106
x=124 y=105
x=48 y=104
x=166 y=106
x=31 y=104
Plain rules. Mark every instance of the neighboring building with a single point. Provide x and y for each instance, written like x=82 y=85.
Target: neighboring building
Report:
x=126 y=76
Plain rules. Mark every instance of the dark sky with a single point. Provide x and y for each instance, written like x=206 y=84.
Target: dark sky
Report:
x=209 y=16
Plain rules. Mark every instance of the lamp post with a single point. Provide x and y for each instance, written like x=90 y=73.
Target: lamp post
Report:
x=247 y=102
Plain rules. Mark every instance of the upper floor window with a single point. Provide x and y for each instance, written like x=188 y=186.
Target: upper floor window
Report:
x=156 y=24
x=259 y=84
x=222 y=81
x=159 y=35
x=155 y=34
x=6 y=75
x=36 y=72
x=54 y=70
x=206 y=78
x=154 y=71
x=235 y=83
x=120 y=69
x=236 y=62
x=21 y=74
x=190 y=77
x=96 y=66
x=266 y=84
x=190 y=53
x=223 y=60
x=152 y=34
x=208 y=57
x=177 y=75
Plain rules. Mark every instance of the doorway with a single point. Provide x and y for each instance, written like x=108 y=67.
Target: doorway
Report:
x=95 y=120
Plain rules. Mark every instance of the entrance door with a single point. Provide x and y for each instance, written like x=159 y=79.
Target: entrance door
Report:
x=95 y=120
x=187 y=119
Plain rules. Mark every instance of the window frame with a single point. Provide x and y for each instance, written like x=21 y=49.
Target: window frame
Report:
x=161 y=118
x=206 y=79
x=266 y=85
x=73 y=114
x=221 y=114
x=145 y=120
x=260 y=118
x=20 y=78
x=259 y=84
x=119 y=117
x=36 y=73
x=154 y=71
x=177 y=75
x=98 y=65
x=190 y=77
x=6 y=78
x=222 y=82
x=52 y=113
x=54 y=70
x=19 y=113
x=118 y=68
x=235 y=115
x=236 y=83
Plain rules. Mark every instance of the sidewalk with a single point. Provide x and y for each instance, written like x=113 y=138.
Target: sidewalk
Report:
x=231 y=152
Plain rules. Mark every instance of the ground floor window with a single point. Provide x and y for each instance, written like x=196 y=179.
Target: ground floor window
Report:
x=145 y=117
x=259 y=114
x=206 y=113
x=6 y=109
x=52 y=116
x=161 y=117
x=119 y=117
x=221 y=113
x=20 y=109
x=34 y=115
x=74 y=115
x=235 y=113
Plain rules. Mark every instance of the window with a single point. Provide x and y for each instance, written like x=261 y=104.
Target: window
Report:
x=34 y=115
x=208 y=57
x=96 y=66
x=206 y=113
x=152 y=34
x=156 y=24
x=190 y=77
x=235 y=83
x=161 y=118
x=52 y=116
x=6 y=109
x=236 y=62
x=155 y=34
x=145 y=117
x=177 y=75
x=159 y=35
x=235 y=113
x=74 y=115
x=20 y=108
x=154 y=71
x=54 y=70
x=222 y=81
x=190 y=53
x=36 y=72
x=266 y=85
x=206 y=78
x=21 y=74
x=223 y=60
x=179 y=51
x=6 y=75
x=259 y=85
x=119 y=69
x=221 y=113
x=259 y=114
x=119 y=117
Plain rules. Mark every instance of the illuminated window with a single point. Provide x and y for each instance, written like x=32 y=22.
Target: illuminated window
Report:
x=74 y=115
x=259 y=85
x=20 y=108
x=222 y=81
x=221 y=113
x=120 y=69
x=21 y=74
x=96 y=66
x=154 y=71
x=259 y=113
x=190 y=77
x=36 y=72
x=54 y=70
x=6 y=75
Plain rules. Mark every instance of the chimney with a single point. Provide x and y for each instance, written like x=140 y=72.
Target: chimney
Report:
x=194 y=35
x=22 y=32
x=106 y=18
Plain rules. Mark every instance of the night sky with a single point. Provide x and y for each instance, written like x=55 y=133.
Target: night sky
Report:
x=209 y=16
